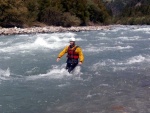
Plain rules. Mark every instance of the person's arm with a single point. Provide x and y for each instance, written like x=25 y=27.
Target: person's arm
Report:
x=81 y=56
x=62 y=53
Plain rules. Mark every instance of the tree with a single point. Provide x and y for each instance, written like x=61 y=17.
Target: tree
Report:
x=97 y=11
x=33 y=10
x=77 y=8
x=69 y=20
x=13 y=13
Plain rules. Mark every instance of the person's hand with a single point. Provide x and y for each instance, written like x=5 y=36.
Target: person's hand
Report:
x=80 y=63
x=57 y=59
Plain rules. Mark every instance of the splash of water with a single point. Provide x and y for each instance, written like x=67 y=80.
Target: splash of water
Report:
x=4 y=73
x=59 y=72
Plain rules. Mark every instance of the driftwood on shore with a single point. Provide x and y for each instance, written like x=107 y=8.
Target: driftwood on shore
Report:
x=48 y=29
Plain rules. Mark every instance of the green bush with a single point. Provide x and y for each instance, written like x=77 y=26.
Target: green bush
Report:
x=13 y=13
x=70 y=20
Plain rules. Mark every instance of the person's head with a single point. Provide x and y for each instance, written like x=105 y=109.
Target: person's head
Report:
x=72 y=41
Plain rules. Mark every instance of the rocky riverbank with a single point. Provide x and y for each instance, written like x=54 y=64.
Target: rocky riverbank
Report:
x=48 y=29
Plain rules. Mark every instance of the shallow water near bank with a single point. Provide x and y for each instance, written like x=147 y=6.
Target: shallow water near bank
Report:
x=114 y=77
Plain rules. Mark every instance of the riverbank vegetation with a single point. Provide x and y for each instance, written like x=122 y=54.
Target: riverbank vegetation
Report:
x=135 y=12
x=27 y=13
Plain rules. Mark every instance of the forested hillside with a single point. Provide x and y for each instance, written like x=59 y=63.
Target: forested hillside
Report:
x=26 y=13
x=129 y=11
x=136 y=12
x=52 y=12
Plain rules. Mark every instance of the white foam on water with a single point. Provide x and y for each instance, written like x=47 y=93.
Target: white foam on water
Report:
x=96 y=66
x=136 y=59
x=92 y=49
x=124 y=38
x=66 y=34
x=58 y=72
x=102 y=33
x=119 y=68
x=4 y=73
x=77 y=70
x=5 y=58
x=145 y=29
x=59 y=37
x=119 y=47
x=121 y=65
x=32 y=70
x=147 y=58
x=1 y=43
x=117 y=65
x=148 y=32
x=116 y=28
x=39 y=41
x=111 y=65
x=20 y=46
x=64 y=85
x=6 y=42
x=109 y=62
x=139 y=59
x=93 y=95
x=102 y=38
x=105 y=48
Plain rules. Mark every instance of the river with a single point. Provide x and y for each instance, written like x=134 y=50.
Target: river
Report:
x=114 y=78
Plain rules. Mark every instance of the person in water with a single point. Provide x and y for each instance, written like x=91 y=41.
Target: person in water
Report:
x=74 y=55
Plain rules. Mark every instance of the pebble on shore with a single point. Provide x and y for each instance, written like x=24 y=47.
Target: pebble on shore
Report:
x=48 y=29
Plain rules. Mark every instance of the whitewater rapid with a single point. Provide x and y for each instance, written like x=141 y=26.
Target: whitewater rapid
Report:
x=114 y=76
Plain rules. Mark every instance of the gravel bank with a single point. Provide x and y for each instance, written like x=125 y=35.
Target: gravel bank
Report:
x=48 y=29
